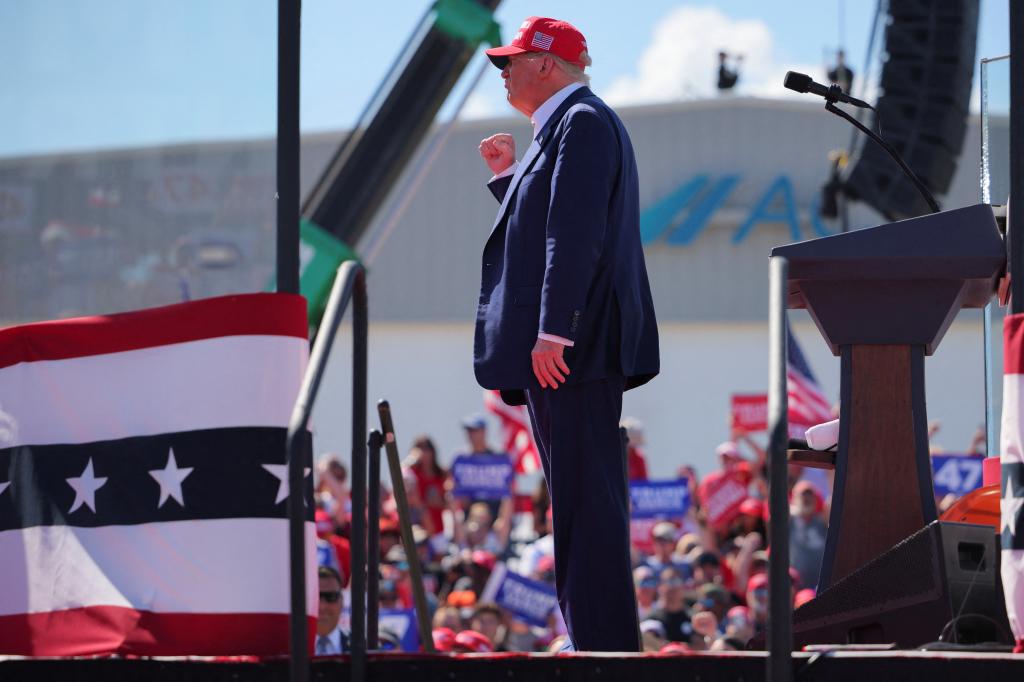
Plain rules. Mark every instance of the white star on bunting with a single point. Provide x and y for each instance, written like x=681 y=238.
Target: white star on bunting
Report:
x=3 y=486
x=280 y=471
x=1011 y=506
x=170 y=478
x=85 y=487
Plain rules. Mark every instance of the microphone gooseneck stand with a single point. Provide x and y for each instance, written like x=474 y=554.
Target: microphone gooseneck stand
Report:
x=830 y=106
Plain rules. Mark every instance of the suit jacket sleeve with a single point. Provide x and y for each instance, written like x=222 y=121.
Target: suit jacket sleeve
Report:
x=499 y=186
x=582 y=180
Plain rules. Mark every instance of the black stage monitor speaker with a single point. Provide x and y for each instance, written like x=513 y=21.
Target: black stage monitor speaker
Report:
x=924 y=99
x=941 y=583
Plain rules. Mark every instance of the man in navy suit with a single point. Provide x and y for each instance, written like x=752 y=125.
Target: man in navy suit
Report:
x=565 y=321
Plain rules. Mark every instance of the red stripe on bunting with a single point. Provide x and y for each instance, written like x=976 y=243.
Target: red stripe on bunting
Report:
x=1013 y=343
x=242 y=314
x=98 y=630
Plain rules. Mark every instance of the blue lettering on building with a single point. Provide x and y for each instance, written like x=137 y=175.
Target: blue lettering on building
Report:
x=681 y=216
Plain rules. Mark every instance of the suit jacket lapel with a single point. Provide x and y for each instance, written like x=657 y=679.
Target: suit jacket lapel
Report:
x=534 y=149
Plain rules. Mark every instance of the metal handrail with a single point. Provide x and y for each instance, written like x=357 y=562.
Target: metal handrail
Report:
x=374 y=442
x=419 y=595
x=349 y=285
x=780 y=601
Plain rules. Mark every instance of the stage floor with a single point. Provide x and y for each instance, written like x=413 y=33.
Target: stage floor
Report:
x=904 y=666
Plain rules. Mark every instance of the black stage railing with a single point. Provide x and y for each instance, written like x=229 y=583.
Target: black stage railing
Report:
x=419 y=595
x=780 y=596
x=374 y=443
x=349 y=286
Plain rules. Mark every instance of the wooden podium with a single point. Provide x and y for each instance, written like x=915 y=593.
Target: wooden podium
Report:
x=883 y=297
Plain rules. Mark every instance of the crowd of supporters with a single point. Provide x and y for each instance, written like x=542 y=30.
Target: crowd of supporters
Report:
x=700 y=579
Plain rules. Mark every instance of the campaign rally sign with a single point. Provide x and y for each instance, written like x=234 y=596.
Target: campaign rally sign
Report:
x=402 y=622
x=653 y=501
x=531 y=601
x=722 y=493
x=956 y=474
x=483 y=476
x=659 y=499
x=750 y=412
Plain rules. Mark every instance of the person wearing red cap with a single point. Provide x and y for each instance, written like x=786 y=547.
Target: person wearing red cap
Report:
x=444 y=639
x=565 y=321
x=757 y=600
x=807 y=532
x=470 y=642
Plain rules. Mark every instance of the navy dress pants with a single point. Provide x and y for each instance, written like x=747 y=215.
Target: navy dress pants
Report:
x=577 y=432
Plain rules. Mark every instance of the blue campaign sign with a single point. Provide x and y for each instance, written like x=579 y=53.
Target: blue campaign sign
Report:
x=956 y=474
x=531 y=601
x=402 y=622
x=482 y=476
x=659 y=499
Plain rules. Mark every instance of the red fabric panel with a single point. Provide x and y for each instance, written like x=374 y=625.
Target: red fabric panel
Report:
x=98 y=630
x=1013 y=344
x=242 y=314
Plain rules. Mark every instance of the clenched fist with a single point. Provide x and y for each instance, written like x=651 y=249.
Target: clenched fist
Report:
x=498 y=151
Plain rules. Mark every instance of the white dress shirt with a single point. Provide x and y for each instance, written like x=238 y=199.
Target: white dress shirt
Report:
x=539 y=119
x=332 y=645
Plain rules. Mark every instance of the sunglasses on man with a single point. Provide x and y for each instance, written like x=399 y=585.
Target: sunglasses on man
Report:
x=330 y=597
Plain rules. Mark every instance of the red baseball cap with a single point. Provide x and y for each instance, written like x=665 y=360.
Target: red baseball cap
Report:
x=543 y=34
x=754 y=507
x=473 y=642
x=444 y=639
x=482 y=557
x=756 y=581
x=802 y=597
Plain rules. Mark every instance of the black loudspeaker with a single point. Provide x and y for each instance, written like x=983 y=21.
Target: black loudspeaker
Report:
x=941 y=583
x=923 y=104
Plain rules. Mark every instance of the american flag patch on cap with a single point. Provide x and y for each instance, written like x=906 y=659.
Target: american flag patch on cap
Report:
x=542 y=40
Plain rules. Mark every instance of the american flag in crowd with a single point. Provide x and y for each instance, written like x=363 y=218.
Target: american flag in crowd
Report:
x=143 y=482
x=1012 y=468
x=518 y=443
x=808 y=405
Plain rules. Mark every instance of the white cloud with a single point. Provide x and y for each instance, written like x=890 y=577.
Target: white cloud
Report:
x=681 y=61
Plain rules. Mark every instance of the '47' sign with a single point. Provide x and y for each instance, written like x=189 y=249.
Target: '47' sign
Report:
x=956 y=474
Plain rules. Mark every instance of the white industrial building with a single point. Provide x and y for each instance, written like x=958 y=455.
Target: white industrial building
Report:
x=115 y=230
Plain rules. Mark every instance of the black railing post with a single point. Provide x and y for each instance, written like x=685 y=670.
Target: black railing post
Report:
x=298 y=450
x=780 y=595
x=289 y=21
x=419 y=596
x=359 y=398
x=1014 y=229
x=349 y=285
x=374 y=443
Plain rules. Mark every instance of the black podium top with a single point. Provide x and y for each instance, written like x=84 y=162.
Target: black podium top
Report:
x=898 y=283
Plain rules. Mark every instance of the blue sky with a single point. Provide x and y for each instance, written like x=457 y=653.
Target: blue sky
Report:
x=86 y=74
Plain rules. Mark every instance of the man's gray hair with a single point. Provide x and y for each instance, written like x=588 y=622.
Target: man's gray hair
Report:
x=575 y=72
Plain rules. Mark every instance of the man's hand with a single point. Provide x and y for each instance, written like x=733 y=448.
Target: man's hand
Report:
x=499 y=151
x=548 y=365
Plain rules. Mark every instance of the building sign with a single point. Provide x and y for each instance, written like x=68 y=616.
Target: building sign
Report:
x=679 y=218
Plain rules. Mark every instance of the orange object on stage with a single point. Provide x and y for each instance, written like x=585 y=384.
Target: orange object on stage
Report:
x=979 y=506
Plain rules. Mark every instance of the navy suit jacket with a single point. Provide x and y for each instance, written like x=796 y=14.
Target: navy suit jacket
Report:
x=564 y=257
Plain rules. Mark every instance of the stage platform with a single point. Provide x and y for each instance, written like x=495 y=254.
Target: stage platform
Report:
x=904 y=666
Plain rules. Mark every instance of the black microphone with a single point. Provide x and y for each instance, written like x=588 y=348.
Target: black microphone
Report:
x=801 y=82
